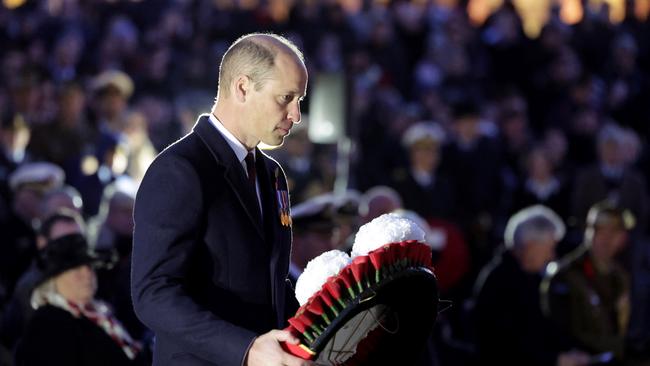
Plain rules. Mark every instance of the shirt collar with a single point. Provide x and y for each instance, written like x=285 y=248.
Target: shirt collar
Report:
x=237 y=147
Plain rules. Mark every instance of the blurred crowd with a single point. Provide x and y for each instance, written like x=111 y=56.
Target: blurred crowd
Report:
x=457 y=124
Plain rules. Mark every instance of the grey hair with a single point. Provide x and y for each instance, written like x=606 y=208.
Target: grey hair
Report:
x=42 y=293
x=254 y=58
x=530 y=223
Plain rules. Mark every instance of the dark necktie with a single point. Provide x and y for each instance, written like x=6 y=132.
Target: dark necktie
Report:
x=250 y=167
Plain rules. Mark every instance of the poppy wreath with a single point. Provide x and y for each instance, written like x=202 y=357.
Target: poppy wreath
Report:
x=397 y=276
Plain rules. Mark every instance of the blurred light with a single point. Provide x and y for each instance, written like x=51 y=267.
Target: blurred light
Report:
x=571 y=11
x=279 y=9
x=126 y=185
x=104 y=174
x=77 y=202
x=327 y=108
x=54 y=7
x=13 y=4
x=224 y=4
x=616 y=8
x=248 y=4
x=120 y=162
x=323 y=130
x=446 y=3
x=89 y=165
x=480 y=10
x=534 y=15
x=351 y=6
x=642 y=9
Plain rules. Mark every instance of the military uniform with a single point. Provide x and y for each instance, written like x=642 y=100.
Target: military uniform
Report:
x=588 y=303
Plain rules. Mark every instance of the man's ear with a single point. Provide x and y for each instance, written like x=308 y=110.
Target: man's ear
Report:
x=242 y=86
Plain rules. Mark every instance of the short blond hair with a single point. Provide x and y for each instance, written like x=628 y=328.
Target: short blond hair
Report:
x=254 y=56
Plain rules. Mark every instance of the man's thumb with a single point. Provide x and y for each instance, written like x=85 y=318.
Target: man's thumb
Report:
x=284 y=336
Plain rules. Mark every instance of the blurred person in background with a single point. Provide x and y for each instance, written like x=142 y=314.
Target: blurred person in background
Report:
x=112 y=228
x=67 y=52
x=611 y=178
x=163 y=125
x=141 y=150
x=112 y=90
x=628 y=86
x=70 y=326
x=515 y=136
x=510 y=326
x=472 y=161
x=314 y=222
x=111 y=233
x=62 y=140
x=584 y=126
x=60 y=222
x=297 y=156
x=377 y=201
x=541 y=185
x=29 y=184
x=423 y=187
x=64 y=197
x=587 y=293
x=7 y=162
x=554 y=142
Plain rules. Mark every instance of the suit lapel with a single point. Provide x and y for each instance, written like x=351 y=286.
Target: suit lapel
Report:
x=234 y=173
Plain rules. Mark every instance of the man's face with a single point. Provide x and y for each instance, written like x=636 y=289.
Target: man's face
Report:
x=537 y=253
x=276 y=106
x=112 y=103
x=425 y=156
x=72 y=104
x=608 y=240
x=120 y=216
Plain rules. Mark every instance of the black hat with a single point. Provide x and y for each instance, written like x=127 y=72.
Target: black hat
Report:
x=64 y=253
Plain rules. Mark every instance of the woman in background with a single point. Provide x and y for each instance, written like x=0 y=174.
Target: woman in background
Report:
x=71 y=327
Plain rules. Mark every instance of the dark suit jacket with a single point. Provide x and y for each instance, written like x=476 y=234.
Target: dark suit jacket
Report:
x=208 y=275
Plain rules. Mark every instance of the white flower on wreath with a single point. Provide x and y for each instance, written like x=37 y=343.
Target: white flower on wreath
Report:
x=317 y=271
x=385 y=229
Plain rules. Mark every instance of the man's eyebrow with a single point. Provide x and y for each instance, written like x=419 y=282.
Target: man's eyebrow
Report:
x=293 y=92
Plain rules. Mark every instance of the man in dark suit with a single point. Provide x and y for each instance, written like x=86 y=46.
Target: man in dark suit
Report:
x=212 y=228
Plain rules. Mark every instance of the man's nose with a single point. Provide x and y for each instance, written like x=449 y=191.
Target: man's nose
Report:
x=294 y=113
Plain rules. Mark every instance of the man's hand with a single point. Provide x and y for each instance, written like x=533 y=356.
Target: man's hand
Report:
x=266 y=350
